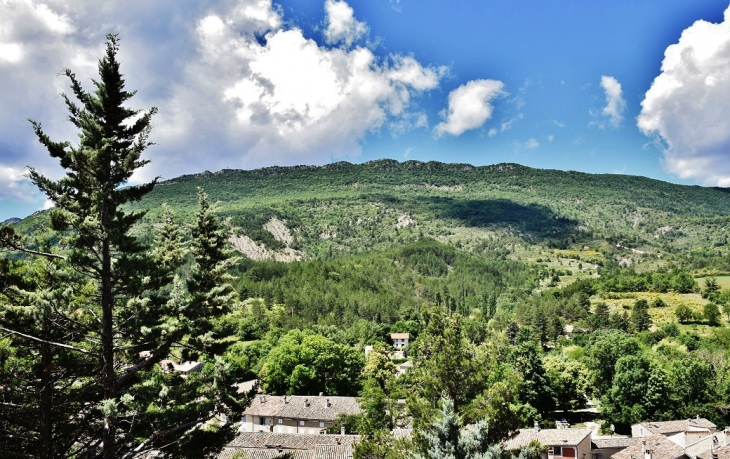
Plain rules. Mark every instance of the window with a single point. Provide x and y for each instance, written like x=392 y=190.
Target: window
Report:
x=301 y=423
x=597 y=456
x=245 y=418
x=281 y=421
x=555 y=451
x=262 y=420
x=321 y=425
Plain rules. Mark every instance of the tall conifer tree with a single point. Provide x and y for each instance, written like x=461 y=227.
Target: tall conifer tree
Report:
x=139 y=312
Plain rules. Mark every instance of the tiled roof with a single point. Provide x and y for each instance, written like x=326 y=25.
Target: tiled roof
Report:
x=613 y=442
x=265 y=405
x=546 y=437
x=238 y=453
x=246 y=386
x=661 y=447
x=322 y=408
x=289 y=440
x=265 y=445
x=704 y=447
x=400 y=335
x=665 y=427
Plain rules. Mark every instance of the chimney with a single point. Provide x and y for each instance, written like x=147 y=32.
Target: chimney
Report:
x=321 y=394
x=537 y=426
x=285 y=401
x=647 y=452
x=342 y=432
x=306 y=402
x=328 y=403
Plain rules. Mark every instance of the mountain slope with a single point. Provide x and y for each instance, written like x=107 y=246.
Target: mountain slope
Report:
x=348 y=208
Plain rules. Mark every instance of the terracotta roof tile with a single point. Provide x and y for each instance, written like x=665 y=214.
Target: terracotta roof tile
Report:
x=614 y=442
x=661 y=447
x=546 y=437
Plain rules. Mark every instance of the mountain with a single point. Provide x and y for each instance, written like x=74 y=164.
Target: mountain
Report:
x=10 y=220
x=309 y=212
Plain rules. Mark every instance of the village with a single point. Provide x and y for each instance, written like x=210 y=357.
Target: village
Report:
x=299 y=427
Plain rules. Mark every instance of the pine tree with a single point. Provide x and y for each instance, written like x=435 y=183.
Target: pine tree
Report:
x=640 y=320
x=137 y=311
x=448 y=439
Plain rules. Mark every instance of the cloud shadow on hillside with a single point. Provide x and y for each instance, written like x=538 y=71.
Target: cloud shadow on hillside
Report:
x=534 y=222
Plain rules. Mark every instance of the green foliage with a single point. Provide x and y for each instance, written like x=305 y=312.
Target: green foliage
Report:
x=711 y=313
x=305 y=363
x=605 y=349
x=683 y=313
x=568 y=381
x=640 y=320
x=107 y=307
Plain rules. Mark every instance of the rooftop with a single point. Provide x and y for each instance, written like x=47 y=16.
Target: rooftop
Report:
x=320 y=408
x=661 y=447
x=546 y=437
x=682 y=425
x=400 y=335
x=613 y=442
x=267 y=445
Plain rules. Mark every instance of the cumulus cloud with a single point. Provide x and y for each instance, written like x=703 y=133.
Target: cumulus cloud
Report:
x=15 y=186
x=236 y=84
x=687 y=108
x=532 y=143
x=615 y=104
x=342 y=27
x=469 y=107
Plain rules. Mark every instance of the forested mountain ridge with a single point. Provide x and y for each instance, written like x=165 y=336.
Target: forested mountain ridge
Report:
x=354 y=208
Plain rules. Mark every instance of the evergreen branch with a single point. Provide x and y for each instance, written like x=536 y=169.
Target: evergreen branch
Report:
x=10 y=239
x=52 y=343
x=163 y=433
x=151 y=360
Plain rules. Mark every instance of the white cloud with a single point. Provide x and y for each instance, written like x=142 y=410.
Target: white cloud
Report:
x=236 y=85
x=550 y=138
x=14 y=185
x=532 y=143
x=687 y=108
x=559 y=124
x=342 y=27
x=288 y=100
x=615 y=104
x=469 y=107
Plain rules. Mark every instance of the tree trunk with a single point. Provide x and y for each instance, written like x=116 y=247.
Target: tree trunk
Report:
x=45 y=403
x=107 y=342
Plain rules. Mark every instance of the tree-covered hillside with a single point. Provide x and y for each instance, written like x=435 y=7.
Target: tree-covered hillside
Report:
x=348 y=208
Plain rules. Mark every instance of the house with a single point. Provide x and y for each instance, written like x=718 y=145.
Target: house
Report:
x=265 y=445
x=605 y=447
x=684 y=445
x=714 y=446
x=560 y=443
x=402 y=368
x=296 y=414
x=656 y=446
x=400 y=340
x=668 y=428
x=184 y=368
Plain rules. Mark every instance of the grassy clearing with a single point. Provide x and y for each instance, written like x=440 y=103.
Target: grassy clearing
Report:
x=624 y=301
x=722 y=281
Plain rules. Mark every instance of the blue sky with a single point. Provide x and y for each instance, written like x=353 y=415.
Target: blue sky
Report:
x=604 y=87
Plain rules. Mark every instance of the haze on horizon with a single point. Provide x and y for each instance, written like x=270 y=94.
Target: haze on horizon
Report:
x=618 y=87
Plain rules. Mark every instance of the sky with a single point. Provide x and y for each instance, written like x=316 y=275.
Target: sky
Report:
x=599 y=86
